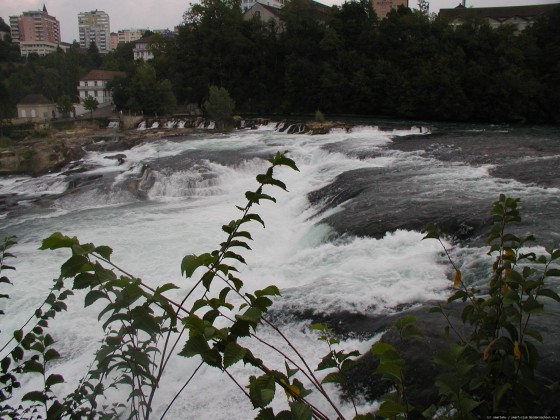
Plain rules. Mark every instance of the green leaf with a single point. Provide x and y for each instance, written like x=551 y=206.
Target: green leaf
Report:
x=300 y=411
x=74 y=265
x=381 y=348
x=532 y=306
x=553 y=272
x=233 y=255
x=18 y=335
x=191 y=262
x=533 y=333
x=233 y=353
x=255 y=197
x=550 y=294
x=85 y=280
x=253 y=216
x=104 y=252
x=391 y=371
x=243 y=234
x=268 y=291
x=33 y=366
x=391 y=409
x=318 y=327
x=467 y=404
x=93 y=296
x=333 y=377
x=280 y=159
x=51 y=354
x=266 y=414
x=261 y=390
x=58 y=240
x=197 y=345
x=411 y=331
x=252 y=315
x=37 y=396
x=239 y=244
x=54 y=379
x=269 y=180
x=165 y=287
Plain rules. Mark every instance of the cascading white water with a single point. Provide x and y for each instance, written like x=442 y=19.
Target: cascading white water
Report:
x=315 y=269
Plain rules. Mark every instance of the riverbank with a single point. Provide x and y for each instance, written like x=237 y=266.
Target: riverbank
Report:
x=47 y=149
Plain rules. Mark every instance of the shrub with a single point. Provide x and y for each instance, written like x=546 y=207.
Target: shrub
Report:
x=319 y=117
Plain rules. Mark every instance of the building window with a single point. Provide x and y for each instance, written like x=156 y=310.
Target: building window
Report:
x=23 y=113
x=33 y=113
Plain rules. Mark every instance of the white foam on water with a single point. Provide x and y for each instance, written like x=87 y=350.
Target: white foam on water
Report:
x=182 y=214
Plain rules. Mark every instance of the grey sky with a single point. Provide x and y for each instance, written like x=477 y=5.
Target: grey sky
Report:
x=162 y=14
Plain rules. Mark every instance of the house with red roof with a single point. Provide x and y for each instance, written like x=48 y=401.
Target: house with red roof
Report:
x=95 y=84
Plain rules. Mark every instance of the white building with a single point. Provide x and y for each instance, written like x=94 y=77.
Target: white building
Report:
x=129 y=35
x=94 y=27
x=142 y=49
x=247 y=4
x=95 y=84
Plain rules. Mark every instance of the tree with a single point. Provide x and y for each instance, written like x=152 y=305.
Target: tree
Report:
x=64 y=105
x=148 y=94
x=91 y=104
x=219 y=105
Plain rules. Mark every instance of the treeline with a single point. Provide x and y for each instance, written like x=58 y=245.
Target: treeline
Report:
x=340 y=60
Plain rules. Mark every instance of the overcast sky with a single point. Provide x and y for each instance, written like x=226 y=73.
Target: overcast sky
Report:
x=162 y=14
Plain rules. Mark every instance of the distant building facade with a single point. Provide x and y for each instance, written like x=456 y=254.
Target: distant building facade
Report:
x=263 y=12
x=383 y=7
x=94 y=27
x=35 y=32
x=247 y=4
x=36 y=108
x=142 y=49
x=130 y=35
x=519 y=16
x=95 y=84
x=114 y=40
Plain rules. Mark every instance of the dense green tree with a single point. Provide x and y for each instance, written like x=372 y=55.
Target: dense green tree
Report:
x=90 y=104
x=147 y=94
x=219 y=105
x=120 y=89
x=64 y=105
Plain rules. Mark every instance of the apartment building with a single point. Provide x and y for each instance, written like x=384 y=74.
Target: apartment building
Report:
x=35 y=32
x=383 y=7
x=94 y=27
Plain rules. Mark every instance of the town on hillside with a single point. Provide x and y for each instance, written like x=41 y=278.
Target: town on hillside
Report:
x=378 y=57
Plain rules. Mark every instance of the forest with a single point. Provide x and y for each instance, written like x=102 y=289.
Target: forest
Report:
x=341 y=60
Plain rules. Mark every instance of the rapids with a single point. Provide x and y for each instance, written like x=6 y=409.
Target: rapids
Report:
x=344 y=239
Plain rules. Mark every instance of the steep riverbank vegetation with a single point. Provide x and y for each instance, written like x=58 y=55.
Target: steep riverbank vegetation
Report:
x=341 y=61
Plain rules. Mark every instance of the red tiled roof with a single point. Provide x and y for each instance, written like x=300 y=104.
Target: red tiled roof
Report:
x=103 y=75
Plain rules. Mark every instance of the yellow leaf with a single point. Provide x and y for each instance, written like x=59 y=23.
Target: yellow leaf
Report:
x=487 y=350
x=292 y=391
x=516 y=351
x=457 y=280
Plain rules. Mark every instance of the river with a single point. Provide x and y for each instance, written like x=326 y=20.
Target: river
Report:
x=344 y=239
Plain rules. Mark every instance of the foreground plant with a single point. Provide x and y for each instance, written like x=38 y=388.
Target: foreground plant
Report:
x=218 y=321
x=492 y=371
x=144 y=328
